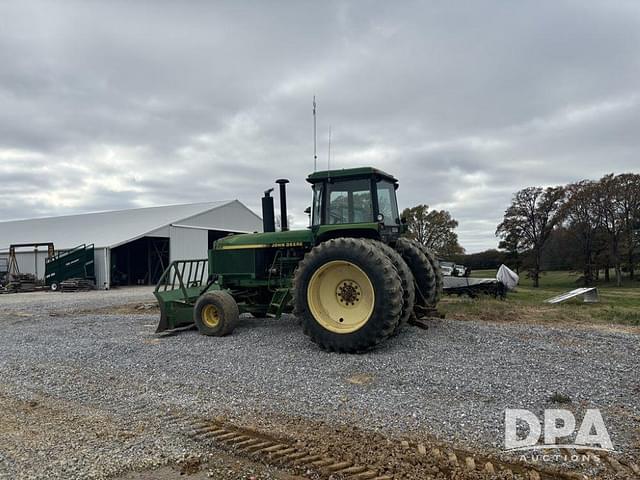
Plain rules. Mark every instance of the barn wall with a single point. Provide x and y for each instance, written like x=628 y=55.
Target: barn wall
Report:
x=188 y=243
x=101 y=262
x=26 y=262
x=160 y=232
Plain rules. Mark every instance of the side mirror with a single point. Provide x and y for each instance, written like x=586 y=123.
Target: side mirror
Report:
x=404 y=220
x=307 y=210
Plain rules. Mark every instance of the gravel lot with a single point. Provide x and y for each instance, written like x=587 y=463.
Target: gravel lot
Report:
x=76 y=386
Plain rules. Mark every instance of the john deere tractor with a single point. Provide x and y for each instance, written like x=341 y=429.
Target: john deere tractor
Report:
x=351 y=278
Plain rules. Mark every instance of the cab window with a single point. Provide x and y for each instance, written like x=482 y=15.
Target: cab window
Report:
x=387 y=204
x=316 y=217
x=349 y=202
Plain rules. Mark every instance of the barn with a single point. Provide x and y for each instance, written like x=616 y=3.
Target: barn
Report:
x=134 y=246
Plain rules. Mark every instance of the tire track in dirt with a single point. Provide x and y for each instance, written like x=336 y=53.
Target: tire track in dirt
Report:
x=415 y=460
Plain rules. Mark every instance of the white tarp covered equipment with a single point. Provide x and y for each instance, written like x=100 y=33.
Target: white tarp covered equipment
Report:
x=508 y=277
x=590 y=295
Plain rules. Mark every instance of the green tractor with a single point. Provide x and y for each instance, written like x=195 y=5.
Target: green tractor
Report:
x=351 y=278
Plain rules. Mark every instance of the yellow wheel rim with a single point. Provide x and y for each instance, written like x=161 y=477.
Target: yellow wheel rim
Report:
x=210 y=316
x=340 y=296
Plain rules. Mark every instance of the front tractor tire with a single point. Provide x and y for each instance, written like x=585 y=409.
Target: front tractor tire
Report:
x=348 y=295
x=216 y=313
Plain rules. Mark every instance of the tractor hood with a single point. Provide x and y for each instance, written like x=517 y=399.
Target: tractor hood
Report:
x=291 y=238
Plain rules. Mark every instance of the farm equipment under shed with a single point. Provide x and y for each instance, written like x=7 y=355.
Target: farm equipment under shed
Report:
x=350 y=278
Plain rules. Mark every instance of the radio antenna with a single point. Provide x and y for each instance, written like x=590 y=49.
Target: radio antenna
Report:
x=329 y=154
x=315 y=143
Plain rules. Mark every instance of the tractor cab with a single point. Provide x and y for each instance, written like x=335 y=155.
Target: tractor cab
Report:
x=355 y=197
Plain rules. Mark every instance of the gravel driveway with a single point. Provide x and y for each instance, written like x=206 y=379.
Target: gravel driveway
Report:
x=451 y=382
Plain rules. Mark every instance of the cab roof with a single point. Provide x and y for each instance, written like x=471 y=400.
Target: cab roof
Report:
x=345 y=173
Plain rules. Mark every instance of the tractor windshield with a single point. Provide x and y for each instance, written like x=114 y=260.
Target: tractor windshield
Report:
x=349 y=202
x=387 y=204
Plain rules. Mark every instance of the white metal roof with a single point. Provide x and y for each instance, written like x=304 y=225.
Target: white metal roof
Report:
x=106 y=229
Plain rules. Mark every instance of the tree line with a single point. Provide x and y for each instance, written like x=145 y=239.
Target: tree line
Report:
x=590 y=225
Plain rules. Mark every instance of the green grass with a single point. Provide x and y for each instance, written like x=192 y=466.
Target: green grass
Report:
x=618 y=305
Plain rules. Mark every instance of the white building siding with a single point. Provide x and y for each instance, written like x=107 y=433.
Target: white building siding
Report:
x=160 y=232
x=101 y=263
x=187 y=243
x=27 y=262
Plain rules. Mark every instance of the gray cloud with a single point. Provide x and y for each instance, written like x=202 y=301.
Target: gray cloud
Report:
x=118 y=104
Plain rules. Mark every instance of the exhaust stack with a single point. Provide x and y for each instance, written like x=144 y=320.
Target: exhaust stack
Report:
x=268 y=215
x=284 y=224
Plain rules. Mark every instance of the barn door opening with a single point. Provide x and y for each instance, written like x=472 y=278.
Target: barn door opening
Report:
x=140 y=262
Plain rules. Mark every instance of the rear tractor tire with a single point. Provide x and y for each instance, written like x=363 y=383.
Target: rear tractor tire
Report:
x=406 y=278
x=216 y=313
x=425 y=276
x=435 y=264
x=348 y=295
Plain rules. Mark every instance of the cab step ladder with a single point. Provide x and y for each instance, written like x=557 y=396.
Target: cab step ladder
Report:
x=279 y=301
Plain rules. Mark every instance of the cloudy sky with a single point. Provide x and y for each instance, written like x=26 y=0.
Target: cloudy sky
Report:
x=110 y=105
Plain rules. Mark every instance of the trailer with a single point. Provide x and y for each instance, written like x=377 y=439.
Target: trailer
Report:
x=474 y=287
x=77 y=263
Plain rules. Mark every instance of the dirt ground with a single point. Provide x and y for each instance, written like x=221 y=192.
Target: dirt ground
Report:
x=218 y=464
x=77 y=432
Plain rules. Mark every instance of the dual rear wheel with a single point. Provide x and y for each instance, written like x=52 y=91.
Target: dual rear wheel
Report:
x=426 y=273
x=348 y=295
x=351 y=294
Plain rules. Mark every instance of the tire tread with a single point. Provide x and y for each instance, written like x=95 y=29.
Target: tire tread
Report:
x=406 y=279
x=386 y=319
x=423 y=272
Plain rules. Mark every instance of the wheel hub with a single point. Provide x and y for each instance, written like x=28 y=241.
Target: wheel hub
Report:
x=210 y=316
x=348 y=293
x=340 y=296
